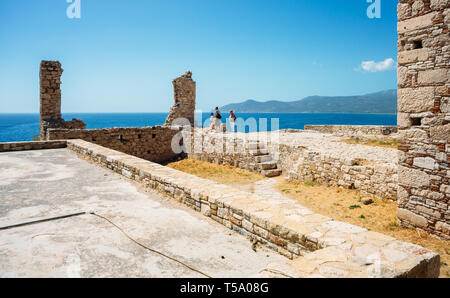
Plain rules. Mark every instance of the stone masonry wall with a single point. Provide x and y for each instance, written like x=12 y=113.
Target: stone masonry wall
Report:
x=150 y=143
x=184 y=93
x=303 y=164
x=50 y=100
x=228 y=149
x=23 y=146
x=354 y=130
x=321 y=246
x=424 y=115
x=271 y=158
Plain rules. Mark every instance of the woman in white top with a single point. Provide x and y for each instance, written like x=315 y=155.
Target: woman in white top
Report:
x=232 y=121
x=212 y=121
x=218 y=121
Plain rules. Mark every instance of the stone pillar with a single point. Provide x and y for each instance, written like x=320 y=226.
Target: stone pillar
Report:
x=50 y=100
x=424 y=115
x=184 y=94
x=50 y=94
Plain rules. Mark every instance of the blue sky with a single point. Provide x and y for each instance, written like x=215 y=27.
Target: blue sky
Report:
x=121 y=55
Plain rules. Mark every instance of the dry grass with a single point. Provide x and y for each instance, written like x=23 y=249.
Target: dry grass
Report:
x=381 y=216
x=222 y=174
x=385 y=143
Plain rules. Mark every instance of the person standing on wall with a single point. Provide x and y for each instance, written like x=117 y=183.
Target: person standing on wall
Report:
x=232 y=121
x=218 y=122
x=212 y=121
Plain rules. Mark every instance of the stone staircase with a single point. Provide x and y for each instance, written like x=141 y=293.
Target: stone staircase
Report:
x=263 y=160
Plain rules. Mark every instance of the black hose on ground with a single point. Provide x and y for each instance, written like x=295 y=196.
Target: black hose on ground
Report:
x=41 y=221
x=112 y=223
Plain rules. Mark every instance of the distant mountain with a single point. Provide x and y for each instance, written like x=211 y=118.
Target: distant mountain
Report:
x=384 y=102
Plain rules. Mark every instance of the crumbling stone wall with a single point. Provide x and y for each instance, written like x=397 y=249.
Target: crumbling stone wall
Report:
x=424 y=115
x=50 y=100
x=355 y=130
x=270 y=157
x=228 y=149
x=149 y=143
x=289 y=229
x=299 y=163
x=184 y=93
x=25 y=146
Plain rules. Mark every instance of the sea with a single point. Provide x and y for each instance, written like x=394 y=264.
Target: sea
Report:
x=23 y=127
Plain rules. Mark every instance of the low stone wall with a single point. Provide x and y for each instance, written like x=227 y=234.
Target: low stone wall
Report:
x=354 y=130
x=268 y=155
x=228 y=149
x=372 y=177
x=22 y=146
x=150 y=143
x=322 y=246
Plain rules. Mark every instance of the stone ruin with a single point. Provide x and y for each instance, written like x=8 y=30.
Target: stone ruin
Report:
x=149 y=143
x=50 y=98
x=424 y=115
x=184 y=93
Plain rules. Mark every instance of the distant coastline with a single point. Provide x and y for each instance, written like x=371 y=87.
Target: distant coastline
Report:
x=383 y=102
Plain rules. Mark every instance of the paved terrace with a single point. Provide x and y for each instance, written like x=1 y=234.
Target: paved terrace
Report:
x=328 y=144
x=48 y=183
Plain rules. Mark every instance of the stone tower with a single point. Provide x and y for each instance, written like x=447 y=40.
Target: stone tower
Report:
x=50 y=94
x=424 y=115
x=184 y=93
x=50 y=100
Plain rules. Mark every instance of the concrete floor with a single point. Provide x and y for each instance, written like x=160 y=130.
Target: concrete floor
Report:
x=49 y=183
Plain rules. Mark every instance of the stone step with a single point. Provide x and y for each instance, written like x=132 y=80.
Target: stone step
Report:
x=257 y=152
x=263 y=158
x=270 y=165
x=254 y=146
x=271 y=173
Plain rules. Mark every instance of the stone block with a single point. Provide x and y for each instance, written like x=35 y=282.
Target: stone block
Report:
x=417 y=7
x=403 y=11
x=413 y=56
x=434 y=76
x=445 y=105
x=443 y=227
x=415 y=100
x=426 y=163
x=416 y=23
x=247 y=225
x=261 y=232
x=414 y=134
x=402 y=75
x=429 y=211
x=440 y=133
x=445 y=189
x=438 y=4
x=414 y=219
x=403 y=120
x=413 y=177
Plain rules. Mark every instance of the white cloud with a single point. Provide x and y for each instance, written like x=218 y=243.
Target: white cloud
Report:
x=372 y=66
